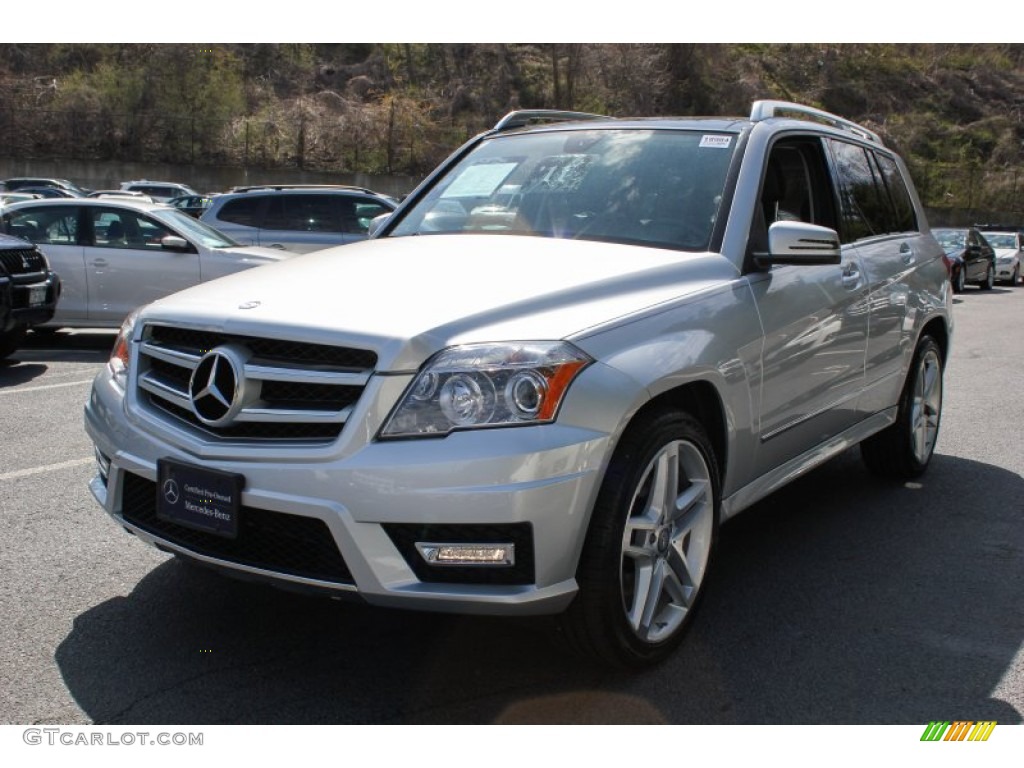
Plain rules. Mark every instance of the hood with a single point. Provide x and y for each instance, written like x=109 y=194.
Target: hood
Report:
x=9 y=241
x=408 y=297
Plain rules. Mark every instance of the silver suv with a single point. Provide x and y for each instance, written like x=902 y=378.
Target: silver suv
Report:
x=571 y=354
x=297 y=218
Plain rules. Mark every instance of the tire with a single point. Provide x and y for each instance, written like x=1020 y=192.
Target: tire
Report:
x=1014 y=276
x=958 y=281
x=990 y=279
x=903 y=450
x=645 y=563
x=10 y=341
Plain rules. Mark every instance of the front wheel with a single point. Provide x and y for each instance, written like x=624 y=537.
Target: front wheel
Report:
x=903 y=450
x=650 y=544
x=10 y=341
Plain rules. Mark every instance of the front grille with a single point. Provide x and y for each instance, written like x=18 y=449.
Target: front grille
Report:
x=272 y=541
x=406 y=535
x=297 y=392
x=22 y=261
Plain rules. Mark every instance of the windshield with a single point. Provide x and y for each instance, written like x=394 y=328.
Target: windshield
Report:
x=950 y=238
x=659 y=188
x=1001 y=239
x=193 y=228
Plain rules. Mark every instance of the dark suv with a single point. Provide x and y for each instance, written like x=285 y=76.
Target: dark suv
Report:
x=28 y=291
x=297 y=218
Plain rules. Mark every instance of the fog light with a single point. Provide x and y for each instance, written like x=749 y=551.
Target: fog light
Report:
x=468 y=554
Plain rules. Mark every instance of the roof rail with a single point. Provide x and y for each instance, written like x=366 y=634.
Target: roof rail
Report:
x=523 y=117
x=762 y=110
x=254 y=187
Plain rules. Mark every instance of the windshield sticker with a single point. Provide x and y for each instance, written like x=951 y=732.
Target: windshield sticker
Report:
x=479 y=180
x=718 y=142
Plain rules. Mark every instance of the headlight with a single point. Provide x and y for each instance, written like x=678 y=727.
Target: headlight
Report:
x=486 y=385
x=120 y=356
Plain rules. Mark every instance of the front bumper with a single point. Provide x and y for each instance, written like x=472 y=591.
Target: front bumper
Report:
x=348 y=523
x=33 y=298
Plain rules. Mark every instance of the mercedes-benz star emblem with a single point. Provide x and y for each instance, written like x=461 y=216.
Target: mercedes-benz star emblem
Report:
x=216 y=386
x=171 y=492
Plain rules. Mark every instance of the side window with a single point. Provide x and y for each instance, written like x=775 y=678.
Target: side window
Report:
x=243 y=210
x=796 y=187
x=303 y=213
x=866 y=210
x=47 y=226
x=904 y=218
x=126 y=229
x=356 y=214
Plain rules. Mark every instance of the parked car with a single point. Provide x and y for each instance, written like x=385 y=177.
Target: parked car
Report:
x=972 y=259
x=29 y=291
x=546 y=400
x=49 y=192
x=6 y=198
x=158 y=191
x=114 y=254
x=193 y=205
x=1008 y=243
x=121 y=193
x=299 y=218
x=19 y=184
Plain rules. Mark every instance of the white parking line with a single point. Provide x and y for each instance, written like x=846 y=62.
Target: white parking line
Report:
x=44 y=386
x=45 y=468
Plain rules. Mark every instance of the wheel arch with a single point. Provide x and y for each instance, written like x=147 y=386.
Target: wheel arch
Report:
x=938 y=330
x=701 y=400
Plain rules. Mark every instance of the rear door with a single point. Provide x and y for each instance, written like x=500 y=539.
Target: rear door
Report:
x=878 y=220
x=55 y=228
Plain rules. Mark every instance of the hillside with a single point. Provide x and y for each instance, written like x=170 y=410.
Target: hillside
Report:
x=953 y=110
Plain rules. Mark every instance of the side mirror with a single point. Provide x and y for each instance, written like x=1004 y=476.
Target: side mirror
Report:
x=175 y=243
x=796 y=242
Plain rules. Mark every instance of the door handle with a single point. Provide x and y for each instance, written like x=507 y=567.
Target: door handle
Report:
x=851 y=275
x=100 y=262
x=907 y=253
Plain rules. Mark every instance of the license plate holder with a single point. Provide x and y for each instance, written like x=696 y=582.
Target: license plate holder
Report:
x=36 y=295
x=199 y=498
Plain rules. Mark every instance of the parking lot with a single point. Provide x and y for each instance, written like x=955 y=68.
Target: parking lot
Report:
x=838 y=600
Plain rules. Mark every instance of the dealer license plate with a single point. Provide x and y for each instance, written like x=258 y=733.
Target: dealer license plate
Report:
x=199 y=498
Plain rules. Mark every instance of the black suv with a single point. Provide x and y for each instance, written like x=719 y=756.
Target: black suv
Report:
x=28 y=291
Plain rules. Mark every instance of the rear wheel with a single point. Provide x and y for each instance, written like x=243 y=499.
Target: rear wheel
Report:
x=903 y=450
x=990 y=279
x=650 y=544
x=958 y=281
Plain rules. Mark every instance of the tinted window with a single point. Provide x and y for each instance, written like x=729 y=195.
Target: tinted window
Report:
x=904 y=219
x=242 y=210
x=865 y=206
x=304 y=213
